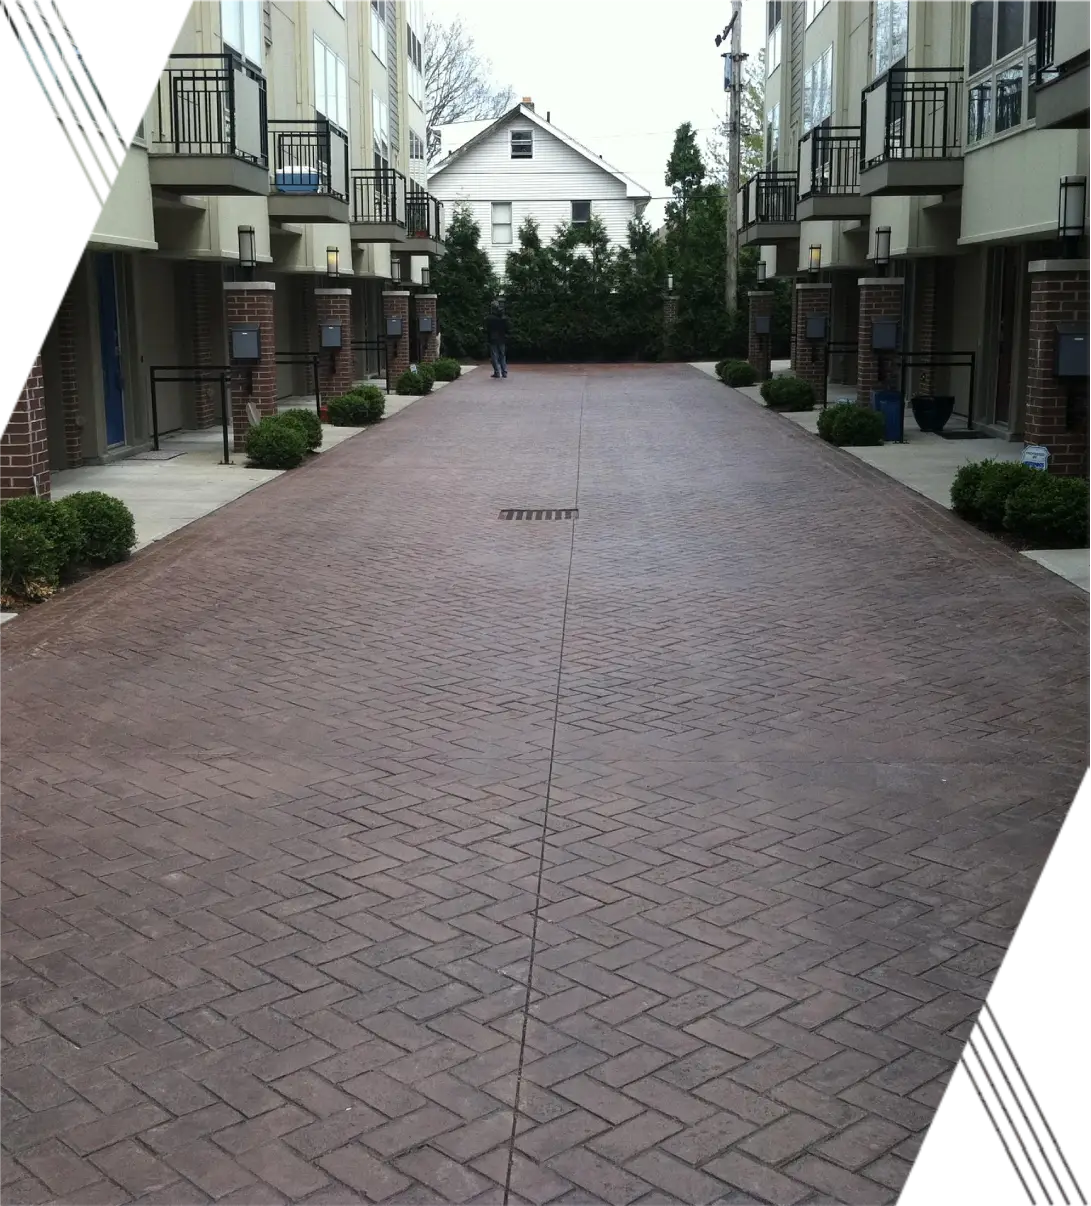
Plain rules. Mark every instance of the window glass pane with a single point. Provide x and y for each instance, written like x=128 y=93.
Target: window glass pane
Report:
x=1009 y=98
x=581 y=212
x=981 y=35
x=891 y=33
x=1009 y=28
x=231 y=23
x=1031 y=94
x=319 y=77
x=522 y=144
x=251 y=30
x=979 y=111
x=342 y=117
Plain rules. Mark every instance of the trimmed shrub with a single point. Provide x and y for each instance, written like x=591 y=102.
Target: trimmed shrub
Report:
x=348 y=410
x=29 y=565
x=736 y=373
x=308 y=422
x=370 y=393
x=411 y=383
x=851 y=426
x=787 y=393
x=999 y=481
x=720 y=366
x=106 y=525
x=1048 y=511
x=965 y=487
x=275 y=444
x=59 y=524
x=447 y=369
x=428 y=375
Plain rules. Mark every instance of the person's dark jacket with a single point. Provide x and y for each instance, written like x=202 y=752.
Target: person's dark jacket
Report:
x=496 y=327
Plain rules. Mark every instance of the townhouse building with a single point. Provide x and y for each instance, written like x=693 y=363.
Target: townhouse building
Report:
x=925 y=188
x=277 y=181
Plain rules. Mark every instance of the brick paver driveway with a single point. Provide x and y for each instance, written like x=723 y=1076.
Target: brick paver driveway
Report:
x=353 y=816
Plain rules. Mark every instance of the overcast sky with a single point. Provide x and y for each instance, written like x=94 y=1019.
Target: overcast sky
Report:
x=618 y=75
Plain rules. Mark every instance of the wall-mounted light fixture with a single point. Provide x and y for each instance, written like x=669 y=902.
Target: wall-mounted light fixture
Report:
x=814 y=263
x=1071 y=213
x=426 y=278
x=881 y=255
x=670 y=282
x=761 y=272
x=395 y=270
x=248 y=252
x=333 y=256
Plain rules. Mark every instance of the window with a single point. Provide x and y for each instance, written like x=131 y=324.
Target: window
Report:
x=501 y=222
x=1010 y=27
x=581 y=213
x=1009 y=98
x=980 y=111
x=378 y=29
x=331 y=97
x=772 y=137
x=814 y=7
x=416 y=146
x=415 y=41
x=522 y=144
x=1000 y=66
x=818 y=90
x=773 y=28
x=891 y=33
x=380 y=131
x=240 y=27
x=981 y=35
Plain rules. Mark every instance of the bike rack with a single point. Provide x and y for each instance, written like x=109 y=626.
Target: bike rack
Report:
x=217 y=372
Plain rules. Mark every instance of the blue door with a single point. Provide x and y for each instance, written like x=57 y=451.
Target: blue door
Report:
x=113 y=384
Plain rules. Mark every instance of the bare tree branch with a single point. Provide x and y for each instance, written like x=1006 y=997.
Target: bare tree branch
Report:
x=458 y=83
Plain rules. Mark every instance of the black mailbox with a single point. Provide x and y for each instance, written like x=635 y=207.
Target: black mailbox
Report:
x=816 y=326
x=331 y=335
x=763 y=324
x=884 y=335
x=427 y=323
x=1070 y=350
x=245 y=344
x=393 y=328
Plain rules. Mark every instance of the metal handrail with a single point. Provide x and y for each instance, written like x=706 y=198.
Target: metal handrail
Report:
x=769 y=197
x=310 y=157
x=920 y=116
x=378 y=196
x=422 y=214
x=378 y=346
x=196 y=112
x=835 y=162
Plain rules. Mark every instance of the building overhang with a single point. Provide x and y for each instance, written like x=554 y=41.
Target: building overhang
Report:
x=911 y=177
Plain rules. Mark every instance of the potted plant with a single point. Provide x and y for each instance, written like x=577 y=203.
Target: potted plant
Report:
x=932 y=411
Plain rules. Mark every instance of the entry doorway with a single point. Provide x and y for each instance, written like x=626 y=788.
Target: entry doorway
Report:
x=1004 y=270
x=109 y=321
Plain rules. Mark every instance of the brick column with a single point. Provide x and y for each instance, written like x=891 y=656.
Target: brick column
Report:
x=70 y=397
x=809 y=361
x=396 y=305
x=427 y=307
x=252 y=302
x=24 y=447
x=670 y=320
x=1056 y=414
x=205 y=393
x=336 y=370
x=880 y=297
x=792 y=329
x=759 y=348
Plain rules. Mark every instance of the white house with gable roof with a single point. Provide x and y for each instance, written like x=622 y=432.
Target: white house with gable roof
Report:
x=520 y=166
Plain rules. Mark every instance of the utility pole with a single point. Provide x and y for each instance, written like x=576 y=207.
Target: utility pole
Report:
x=733 y=62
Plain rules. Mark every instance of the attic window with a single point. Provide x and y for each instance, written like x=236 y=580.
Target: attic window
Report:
x=522 y=144
x=581 y=213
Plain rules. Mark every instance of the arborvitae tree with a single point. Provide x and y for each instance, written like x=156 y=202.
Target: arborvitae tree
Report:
x=686 y=176
x=466 y=285
x=640 y=277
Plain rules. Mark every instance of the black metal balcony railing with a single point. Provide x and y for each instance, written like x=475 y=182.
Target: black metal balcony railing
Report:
x=1045 y=42
x=378 y=196
x=829 y=162
x=310 y=157
x=768 y=197
x=423 y=215
x=211 y=104
x=911 y=113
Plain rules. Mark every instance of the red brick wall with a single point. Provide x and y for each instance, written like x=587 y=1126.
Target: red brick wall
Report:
x=70 y=394
x=396 y=305
x=24 y=447
x=252 y=302
x=880 y=297
x=202 y=280
x=759 y=347
x=809 y=359
x=335 y=369
x=792 y=330
x=429 y=345
x=1057 y=295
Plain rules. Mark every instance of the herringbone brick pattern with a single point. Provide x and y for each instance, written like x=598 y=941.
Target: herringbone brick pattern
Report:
x=286 y=918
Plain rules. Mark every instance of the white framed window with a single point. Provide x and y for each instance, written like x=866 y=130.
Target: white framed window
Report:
x=522 y=144
x=1000 y=60
x=773 y=26
x=890 y=37
x=501 y=222
x=581 y=213
x=241 y=28
x=339 y=5
x=331 y=88
x=772 y=137
x=380 y=130
x=818 y=90
x=814 y=7
x=378 y=29
x=416 y=146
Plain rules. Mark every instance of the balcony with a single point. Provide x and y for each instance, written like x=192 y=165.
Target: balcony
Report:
x=310 y=172
x=829 y=175
x=1061 y=81
x=378 y=206
x=910 y=125
x=210 y=135
x=767 y=209
x=423 y=224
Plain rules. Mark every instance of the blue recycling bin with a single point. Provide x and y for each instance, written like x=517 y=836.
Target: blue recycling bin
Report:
x=888 y=402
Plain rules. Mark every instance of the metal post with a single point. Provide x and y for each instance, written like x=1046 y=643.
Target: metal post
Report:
x=317 y=387
x=970 y=399
x=731 y=276
x=155 y=415
x=223 y=417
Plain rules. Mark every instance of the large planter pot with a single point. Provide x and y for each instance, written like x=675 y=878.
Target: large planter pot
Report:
x=932 y=411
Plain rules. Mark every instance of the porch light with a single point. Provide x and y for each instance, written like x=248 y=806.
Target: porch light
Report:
x=333 y=255
x=814 y=265
x=670 y=282
x=248 y=255
x=1071 y=223
x=395 y=270
x=426 y=278
x=882 y=246
x=761 y=272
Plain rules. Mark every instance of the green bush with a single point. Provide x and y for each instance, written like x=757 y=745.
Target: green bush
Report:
x=427 y=374
x=999 y=481
x=308 y=422
x=736 y=373
x=447 y=369
x=411 y=383
x=1048 y=511
x=787 y=393
x=59 y=524
x=370 y=393
x=106 y=525
x=29 y=565
x=347 y=410
x=965 y=487
x=851 y=426
x=275 y=444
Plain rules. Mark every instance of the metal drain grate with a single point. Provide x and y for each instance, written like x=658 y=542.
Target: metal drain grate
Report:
x=540 y=513
x=155 y=456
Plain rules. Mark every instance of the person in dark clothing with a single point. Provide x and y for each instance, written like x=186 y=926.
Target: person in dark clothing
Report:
x=496 y=328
